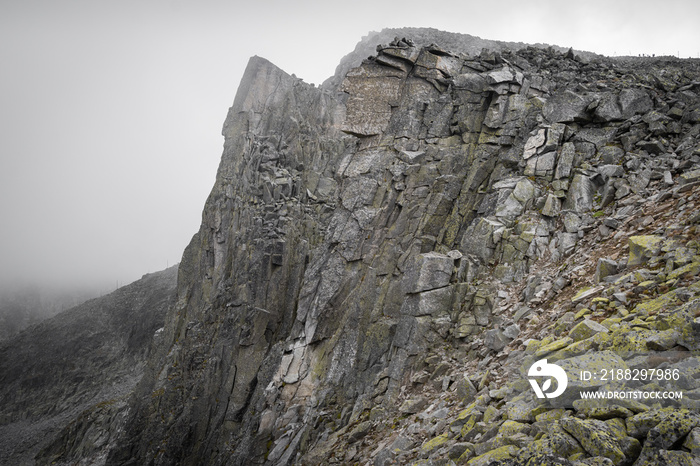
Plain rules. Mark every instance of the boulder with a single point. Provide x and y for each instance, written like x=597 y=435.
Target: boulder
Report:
x=608 y=108
x=593 y=362
x=642 y=248
x=688 y=177
x=611 y=171
x=552 y=206
x=665 y=435
x=360 y=431
x=611 y=155
x=605 y=268
x=566 y=107
x=634 y=101
x=466 y=392
x=413 y=405
x=496 y=340
x=692 y=442
x=534 y=143
x=665 y=458
x=639 y=425
x=595 y=437
x=586 y=329
x=542 y=165
x=494 y=456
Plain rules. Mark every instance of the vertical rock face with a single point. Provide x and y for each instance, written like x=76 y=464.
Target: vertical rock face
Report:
x=237 y=318
x=353 y=231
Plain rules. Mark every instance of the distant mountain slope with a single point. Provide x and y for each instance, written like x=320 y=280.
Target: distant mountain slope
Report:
x=92 y=353
x=22 y=306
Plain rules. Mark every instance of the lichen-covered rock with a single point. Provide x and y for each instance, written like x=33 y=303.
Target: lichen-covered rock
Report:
x=500 y=454
x=593 y=363
x=692 y=442
x=435 y=443
x=673 y=428
x=688 y=270
x=638 y=426
x=666 y=458
x=586 y=329
x=642 y=248
x=608 y=409
x=595 y=437
x=557 y=443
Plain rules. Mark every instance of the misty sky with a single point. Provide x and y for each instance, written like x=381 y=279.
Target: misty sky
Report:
x=111 y=111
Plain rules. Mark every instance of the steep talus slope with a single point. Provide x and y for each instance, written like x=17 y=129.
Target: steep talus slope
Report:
x=379 y=260
x=95 y=352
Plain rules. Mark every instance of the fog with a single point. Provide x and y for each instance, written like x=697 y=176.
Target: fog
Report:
x=110 y=111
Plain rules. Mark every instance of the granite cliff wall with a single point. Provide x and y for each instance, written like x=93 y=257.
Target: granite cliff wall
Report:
x=398 y=243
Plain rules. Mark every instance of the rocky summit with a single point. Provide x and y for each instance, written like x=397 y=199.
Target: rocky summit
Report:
x=386 y=262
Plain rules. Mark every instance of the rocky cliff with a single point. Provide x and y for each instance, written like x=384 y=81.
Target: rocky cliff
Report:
x=382 y=258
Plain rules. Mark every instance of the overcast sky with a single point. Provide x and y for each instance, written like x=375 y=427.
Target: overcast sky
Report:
x=111 y=111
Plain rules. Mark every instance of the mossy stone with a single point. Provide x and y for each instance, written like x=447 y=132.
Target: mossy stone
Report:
x=586 y=329
x=583 y=312
x=554 y=346
x=510 y=428
x=595 y=437
x=639 y=425
x=435 y=443
x=503 y=453
x=642 y=248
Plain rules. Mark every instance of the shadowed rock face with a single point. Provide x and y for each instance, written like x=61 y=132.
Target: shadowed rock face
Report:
x=383 y=247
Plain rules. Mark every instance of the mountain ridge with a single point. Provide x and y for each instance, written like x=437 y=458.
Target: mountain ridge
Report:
x=382 y=258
